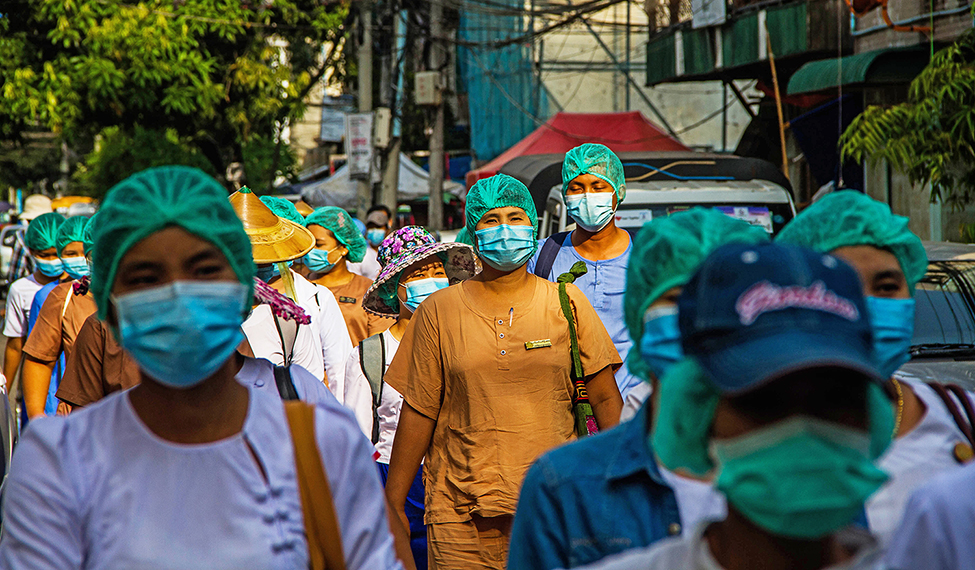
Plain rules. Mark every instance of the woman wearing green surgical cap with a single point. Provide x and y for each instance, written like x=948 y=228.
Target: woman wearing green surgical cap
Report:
x=890 y=260
x=57 y=316
x=337 y=242
x=198 y=452
x=572 y=519
x=484 y=368
x=284 y=208
x=593 y=186
x=41 y=241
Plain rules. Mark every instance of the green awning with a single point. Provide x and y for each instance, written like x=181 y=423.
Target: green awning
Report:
x=892 y=65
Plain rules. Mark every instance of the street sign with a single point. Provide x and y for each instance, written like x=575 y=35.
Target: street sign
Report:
x=358 y=143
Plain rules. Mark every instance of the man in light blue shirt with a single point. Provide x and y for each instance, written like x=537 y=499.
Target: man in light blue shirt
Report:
x=593 y=186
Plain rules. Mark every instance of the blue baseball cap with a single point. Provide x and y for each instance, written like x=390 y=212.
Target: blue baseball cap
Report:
x=754 y=313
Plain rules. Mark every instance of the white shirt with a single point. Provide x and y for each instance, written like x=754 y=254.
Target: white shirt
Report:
x=390 y=403
x=697 y=501
x=19 y=298
x=98 y=490
x=691 y=552
x=369 y=266
x=912 y=460
x=261 y=331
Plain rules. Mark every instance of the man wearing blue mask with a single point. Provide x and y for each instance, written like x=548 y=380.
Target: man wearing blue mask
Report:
x=605 y=494
x=593 y=186
x=779 y=401
x=41 y=241
x=890 y=261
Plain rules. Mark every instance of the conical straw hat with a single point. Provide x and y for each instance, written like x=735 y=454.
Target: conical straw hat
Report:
x=303 y=208
x=273 y=239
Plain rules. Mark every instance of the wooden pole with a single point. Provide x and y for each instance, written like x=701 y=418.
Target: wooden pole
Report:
x=778 y=102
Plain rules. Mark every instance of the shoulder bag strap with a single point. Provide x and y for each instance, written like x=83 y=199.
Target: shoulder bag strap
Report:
x=285 y=383
x=321 y=522
x=67 y=301
x=372 y=360
x=546 y=257
x=949 y=402
x=966 y=403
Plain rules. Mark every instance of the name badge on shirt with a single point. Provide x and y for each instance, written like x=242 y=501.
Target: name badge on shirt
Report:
x=546 y=342
x=347 y=300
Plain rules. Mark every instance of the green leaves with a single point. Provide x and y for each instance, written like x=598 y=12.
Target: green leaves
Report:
x=931 y=137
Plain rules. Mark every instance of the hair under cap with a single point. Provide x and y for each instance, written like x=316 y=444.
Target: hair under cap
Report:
x=42 y=232
x=598 y=160
x=154 y=199
x=849 y=218
x=343 y=227
x=498 y=191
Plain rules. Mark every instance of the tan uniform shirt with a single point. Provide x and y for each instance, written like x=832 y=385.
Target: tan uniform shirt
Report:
x=498 y=404
x=98 y=366
x=52 y=334
x=361 y=324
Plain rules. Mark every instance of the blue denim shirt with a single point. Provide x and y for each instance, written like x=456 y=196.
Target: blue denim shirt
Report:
x=592 y=498
x=603 y=285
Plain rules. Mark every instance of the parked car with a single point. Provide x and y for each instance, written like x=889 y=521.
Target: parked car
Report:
x=661 y=183
x=943 y=348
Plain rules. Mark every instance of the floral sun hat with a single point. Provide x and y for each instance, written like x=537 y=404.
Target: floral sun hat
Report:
x=403 y=248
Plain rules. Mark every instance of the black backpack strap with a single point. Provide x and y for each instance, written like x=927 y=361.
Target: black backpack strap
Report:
x=550 y=250
x=285 y=383
x=288 y=334
x=964 y=424
x=372 y=361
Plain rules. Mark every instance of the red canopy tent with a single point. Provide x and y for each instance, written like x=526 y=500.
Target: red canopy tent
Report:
x=621 y=132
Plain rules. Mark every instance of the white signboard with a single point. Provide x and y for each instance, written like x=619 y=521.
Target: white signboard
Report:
x=756 y=216
x=358 y=143
x=632 y=218
x=706 y=13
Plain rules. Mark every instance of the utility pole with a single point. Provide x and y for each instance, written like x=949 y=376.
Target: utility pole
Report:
x=388 y=96
x=364 y=187
x=435 y=205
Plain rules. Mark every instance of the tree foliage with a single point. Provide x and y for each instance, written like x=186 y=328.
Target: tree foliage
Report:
x=210 y=74
x=931 y=137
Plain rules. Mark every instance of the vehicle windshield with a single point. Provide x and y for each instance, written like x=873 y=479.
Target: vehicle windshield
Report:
x=945 y=320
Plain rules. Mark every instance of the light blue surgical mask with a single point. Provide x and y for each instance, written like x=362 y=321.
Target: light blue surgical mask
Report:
x=417 y=291
x=505 y=247
x=50 y=268
x=892 y=322
x=375 y=236
x=76 y=267
x=800 y=478
x=660 y=345
x=181 y=333
x=317 y=260
x=592 y=211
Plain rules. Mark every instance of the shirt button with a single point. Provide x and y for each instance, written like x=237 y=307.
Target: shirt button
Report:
x=503 y=353
x=673 y=529
x=501 y=335
x=500 y=322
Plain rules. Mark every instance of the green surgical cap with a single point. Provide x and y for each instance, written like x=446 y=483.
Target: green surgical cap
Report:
x=283 y=208
x=154 y=199
x=72 y=230
x=342 y=226
x=498 y=191
x=849 y=218
x=87 y=239
x=597 y=160
x=42 y=232
x=666 y=253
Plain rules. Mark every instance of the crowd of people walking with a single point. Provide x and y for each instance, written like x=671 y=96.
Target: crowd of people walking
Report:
x=235 y=383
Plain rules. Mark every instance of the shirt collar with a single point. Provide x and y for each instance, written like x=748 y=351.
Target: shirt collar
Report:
x=632 y=452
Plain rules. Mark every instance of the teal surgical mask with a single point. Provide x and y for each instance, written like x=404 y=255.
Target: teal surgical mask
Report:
x=801 y=478
x=76 y=267
x=181 y=333
x=317 y=260
x=420 y=289
x=505 y=247
x=660 y=345
x=50 y=268
x=592 y=211
x=375 y=236
x=892 y=322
